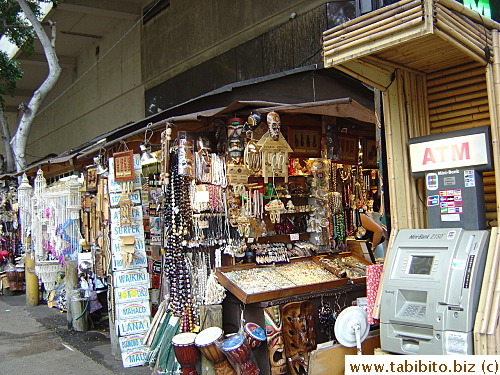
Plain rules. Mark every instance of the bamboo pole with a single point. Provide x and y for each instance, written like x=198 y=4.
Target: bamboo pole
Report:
x=401 y=17
x=452 y=71
x=483 y=307
x=491 y=216
x=465 y=24
x=447 y=60
x=462 y=119
x=462 y=74
x=470 y=124
x=459 y=46
x=390 y=158
x=472 y=41
x=493 y=81
x=457 y=113
x=457 y=99
x=375 y=15
x=455 y=34
x=490 y=189
x=490 y=198
x=371 y=65
x=392 y=64
x=460 y=8
x=461 y=82
x=459 y=106
x=463 y=90
x=360 y=77
x=373 y=37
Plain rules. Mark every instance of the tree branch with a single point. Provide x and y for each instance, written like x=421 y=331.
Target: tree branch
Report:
x=27 y=118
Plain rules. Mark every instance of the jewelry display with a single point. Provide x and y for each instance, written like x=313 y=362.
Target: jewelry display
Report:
x=270 y=253
x=257 y=280
x=342 y=267
x=326 y=319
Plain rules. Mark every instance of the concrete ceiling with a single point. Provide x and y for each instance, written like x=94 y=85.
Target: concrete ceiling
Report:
x=79 y=23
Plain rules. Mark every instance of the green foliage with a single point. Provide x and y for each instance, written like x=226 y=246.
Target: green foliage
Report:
x=10 y=73
x=16 y=28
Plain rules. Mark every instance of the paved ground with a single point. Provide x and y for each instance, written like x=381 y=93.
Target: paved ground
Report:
x=35 y=340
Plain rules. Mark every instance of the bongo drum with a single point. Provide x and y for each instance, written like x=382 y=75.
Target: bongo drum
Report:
x=236 y=348
x=254 y=334
x=186 y=352
x=206 y=342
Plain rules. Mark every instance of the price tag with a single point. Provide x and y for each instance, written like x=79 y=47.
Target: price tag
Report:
x=294 y=237
x=250 y=240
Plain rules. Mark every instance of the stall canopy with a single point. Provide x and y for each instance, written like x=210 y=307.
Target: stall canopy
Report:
x=345 y=107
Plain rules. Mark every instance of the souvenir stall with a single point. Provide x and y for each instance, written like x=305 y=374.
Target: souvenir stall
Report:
x=11 y=263
x=257 y=219
x=50 y=227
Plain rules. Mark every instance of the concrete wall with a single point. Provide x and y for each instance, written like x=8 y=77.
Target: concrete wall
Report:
x=109 y=94
x=94 y=99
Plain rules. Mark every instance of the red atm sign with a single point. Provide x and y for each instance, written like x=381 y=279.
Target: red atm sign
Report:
x=448 y=153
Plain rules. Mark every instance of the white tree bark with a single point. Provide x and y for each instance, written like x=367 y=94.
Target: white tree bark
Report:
x=20 y=138
x=9 y=157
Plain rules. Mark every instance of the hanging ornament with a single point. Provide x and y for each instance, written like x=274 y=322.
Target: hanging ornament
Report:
x=274 y=124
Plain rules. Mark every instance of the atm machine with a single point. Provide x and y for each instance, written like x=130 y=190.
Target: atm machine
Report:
x=433 y=276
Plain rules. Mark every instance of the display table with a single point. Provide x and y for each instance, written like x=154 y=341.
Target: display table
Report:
x=254 y=312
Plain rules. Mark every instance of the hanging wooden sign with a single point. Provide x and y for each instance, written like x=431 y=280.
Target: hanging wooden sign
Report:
x=124 y=165
x=274 y=156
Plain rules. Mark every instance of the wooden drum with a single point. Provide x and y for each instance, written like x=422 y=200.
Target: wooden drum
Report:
x=255 y=335
x=236 y=348
x=206 y=342
x=186 y=352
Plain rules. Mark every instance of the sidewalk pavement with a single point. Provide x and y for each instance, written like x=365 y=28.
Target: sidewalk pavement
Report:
x=36 y=340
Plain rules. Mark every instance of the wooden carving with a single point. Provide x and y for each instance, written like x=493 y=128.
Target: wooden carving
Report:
x=298 y=335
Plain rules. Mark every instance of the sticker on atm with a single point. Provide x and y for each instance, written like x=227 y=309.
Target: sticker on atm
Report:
x=469 y=178
x=432 y=200
x=431 y=180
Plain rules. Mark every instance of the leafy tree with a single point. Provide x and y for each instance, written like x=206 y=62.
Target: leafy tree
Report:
x=19 y=22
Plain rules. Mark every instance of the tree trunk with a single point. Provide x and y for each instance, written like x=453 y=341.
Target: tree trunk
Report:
x=20 y=138
x=9 y=157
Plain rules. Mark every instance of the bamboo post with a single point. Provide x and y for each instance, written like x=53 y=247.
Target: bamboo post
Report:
x=373 y=37
x=460 y=8
x=390 y=156
x=483 y=297
x=402 y=16
x=459 y=37
x=405 y=116
x=482 y=35
x=353 y=74
x=370 y=17
x=459 y=46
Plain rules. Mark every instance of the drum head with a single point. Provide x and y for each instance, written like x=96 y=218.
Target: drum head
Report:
x=184 y=339
x=233 y=342
x=208 y=336
x=255 y=331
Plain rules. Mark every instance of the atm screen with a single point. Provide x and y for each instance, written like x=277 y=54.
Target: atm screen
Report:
x=420 y=265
